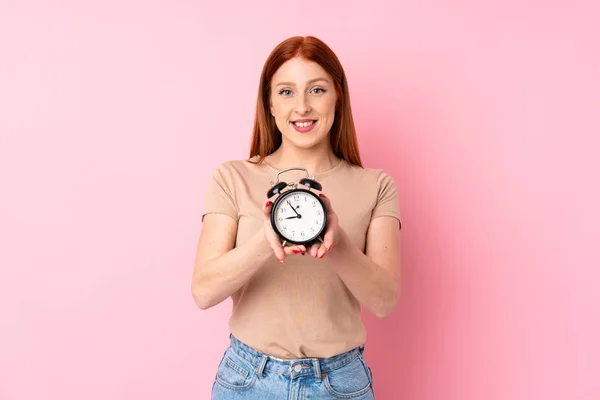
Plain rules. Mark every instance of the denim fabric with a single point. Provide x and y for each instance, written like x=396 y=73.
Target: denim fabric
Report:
x=246 y=373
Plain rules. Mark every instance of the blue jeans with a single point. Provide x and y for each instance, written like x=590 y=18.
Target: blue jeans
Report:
x=246 y=373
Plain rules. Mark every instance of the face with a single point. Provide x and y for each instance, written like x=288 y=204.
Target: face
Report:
x=303 y=102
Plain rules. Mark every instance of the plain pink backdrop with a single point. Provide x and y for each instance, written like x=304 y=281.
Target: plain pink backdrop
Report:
x=485 y=113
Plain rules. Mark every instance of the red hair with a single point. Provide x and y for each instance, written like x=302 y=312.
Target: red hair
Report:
x=266 y=138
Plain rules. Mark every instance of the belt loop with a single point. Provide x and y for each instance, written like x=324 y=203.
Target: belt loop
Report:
x=317 y=369
x=261 y=367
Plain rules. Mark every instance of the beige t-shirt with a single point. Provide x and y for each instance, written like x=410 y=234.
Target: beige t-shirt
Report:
x=300 y=308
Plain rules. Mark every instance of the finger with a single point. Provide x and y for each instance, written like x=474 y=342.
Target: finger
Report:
x=329 y=237
x=270 y=234
x=278 y=250
x=314 y=248
x=321 y=251
x=294 y=249
x=267 y=208
x=273 y=241
x=326 y=202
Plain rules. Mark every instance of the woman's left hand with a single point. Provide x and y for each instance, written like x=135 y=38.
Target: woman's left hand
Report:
x=319 y=249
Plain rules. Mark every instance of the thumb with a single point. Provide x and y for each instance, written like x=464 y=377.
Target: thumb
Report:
x=273 y=241
x=267 y=208
x=270 y=234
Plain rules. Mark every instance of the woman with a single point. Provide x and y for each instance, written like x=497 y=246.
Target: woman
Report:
x=296 y=329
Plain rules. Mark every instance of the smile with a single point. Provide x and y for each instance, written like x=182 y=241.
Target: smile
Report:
x=304 y=126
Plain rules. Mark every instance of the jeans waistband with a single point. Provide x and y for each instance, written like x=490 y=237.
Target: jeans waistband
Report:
x=295 y=367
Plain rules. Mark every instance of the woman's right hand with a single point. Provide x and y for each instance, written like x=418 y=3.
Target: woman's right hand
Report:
x=274 y=240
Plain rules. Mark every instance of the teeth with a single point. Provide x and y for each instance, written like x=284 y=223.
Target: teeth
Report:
x=304 y=124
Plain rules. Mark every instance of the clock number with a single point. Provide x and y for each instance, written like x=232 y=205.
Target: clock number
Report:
x=314 y=203
x=302 y=233
x=283 y=209
x=296 y=198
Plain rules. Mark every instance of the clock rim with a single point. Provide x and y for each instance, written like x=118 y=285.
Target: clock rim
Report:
x=278 y=200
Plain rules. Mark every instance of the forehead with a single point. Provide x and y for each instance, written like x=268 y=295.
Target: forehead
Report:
x=299 y=70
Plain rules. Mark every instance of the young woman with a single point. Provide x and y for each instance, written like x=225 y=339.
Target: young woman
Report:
x=296 y=328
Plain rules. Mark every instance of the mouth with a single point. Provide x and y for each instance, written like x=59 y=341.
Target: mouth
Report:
x=304 y=123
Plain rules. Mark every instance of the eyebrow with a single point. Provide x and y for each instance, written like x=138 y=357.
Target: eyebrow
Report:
x=309 y=82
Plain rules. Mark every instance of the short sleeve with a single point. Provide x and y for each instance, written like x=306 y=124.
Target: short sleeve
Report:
x=219 y=196
x=388 y=202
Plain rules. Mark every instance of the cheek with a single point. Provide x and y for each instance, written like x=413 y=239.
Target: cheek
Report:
x=329 y=106
x=283 y=108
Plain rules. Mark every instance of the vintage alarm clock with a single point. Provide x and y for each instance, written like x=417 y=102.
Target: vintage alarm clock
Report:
x=298 y=214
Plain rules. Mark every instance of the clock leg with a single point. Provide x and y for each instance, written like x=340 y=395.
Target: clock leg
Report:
x=283 y=243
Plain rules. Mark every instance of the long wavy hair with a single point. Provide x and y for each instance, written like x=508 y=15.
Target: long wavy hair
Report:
x=266 y=138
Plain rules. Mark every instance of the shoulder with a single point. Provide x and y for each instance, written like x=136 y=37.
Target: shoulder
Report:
x=235 y=167
x=231 y=165
x=371 y=176
x=237 y=173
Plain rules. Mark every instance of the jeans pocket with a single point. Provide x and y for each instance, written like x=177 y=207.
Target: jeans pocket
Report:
x=350 y=381
x=234 y=372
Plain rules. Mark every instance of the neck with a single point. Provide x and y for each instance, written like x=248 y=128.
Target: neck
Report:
x=315 y=160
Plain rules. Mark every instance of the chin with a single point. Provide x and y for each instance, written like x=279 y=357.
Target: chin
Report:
x=305 y=142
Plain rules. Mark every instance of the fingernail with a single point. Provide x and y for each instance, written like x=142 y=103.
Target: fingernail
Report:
x=280 y=260
x=268 y=203
x=322 y=195
x=322 y=255
x=296 y=251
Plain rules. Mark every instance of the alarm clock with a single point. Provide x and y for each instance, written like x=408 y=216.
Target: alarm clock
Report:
x=298 y=215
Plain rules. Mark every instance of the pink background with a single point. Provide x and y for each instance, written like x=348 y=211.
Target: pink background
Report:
x=486 y=113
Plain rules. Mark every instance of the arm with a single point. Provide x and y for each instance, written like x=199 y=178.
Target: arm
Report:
x=220 y=268
x=373 y=277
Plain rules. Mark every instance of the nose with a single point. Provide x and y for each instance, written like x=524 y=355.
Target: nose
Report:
x=302 y=106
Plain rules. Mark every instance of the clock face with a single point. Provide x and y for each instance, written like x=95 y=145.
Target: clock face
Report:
x=299 y=216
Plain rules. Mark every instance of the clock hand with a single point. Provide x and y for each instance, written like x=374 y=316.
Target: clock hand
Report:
x=299 y=216
x=292 y=217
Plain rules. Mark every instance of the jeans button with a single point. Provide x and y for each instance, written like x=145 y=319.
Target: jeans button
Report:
x=298 y=368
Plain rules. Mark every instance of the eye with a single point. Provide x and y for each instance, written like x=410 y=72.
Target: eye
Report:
x=285 y=91
x=322 y=90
